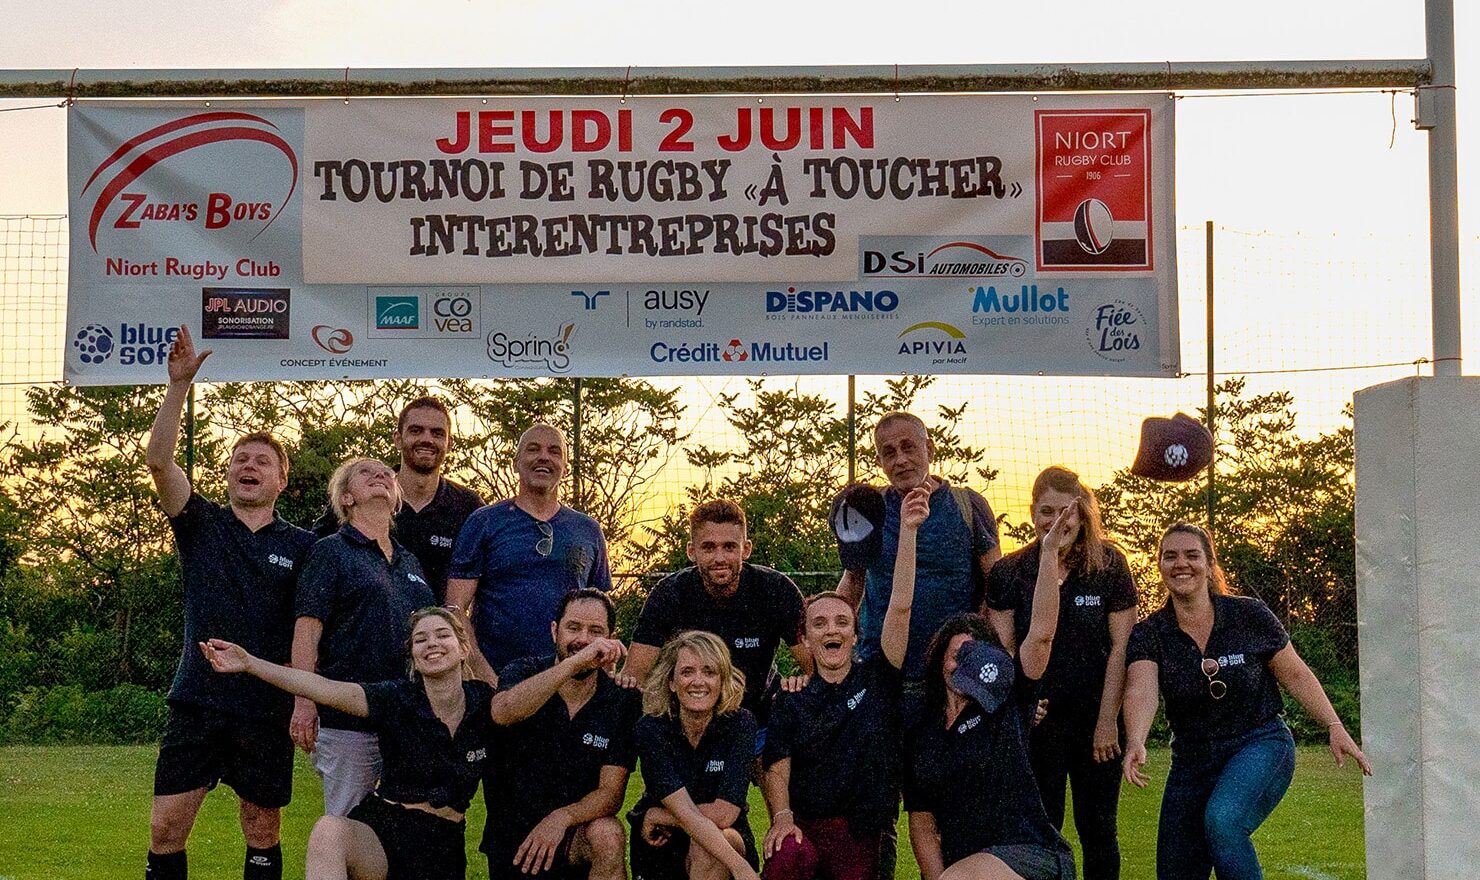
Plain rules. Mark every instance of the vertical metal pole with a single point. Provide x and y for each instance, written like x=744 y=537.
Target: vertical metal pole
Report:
x=1443 y=186
x=1212 y=388
x=190 y=436
x=852 y=432
x=575 y=445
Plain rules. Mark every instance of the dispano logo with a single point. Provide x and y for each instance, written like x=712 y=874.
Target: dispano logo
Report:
x=138 y=155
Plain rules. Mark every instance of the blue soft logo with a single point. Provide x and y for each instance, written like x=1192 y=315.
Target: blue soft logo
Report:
x=94 y=344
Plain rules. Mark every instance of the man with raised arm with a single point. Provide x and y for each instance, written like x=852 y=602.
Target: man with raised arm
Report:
x=515 y=559
x=238 y=564
x=559 y=773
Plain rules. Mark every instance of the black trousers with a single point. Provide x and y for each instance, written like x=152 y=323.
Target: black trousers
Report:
x=1062 y=752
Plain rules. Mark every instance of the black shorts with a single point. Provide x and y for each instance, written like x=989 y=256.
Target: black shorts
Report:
x=202 y=747
x=418 y=845
x=666 y=862
x=1032 y=861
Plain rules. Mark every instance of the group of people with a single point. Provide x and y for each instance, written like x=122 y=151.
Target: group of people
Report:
x=423 y=643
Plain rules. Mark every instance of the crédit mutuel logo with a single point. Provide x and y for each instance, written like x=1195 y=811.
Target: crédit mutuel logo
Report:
x=125 y=170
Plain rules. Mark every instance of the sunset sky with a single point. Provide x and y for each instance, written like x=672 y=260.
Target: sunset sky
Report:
x=1322 y=199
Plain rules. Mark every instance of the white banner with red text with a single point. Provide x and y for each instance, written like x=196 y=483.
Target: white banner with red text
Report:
x=427 y=238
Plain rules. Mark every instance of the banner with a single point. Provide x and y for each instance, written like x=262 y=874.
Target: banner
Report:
x=378 y=238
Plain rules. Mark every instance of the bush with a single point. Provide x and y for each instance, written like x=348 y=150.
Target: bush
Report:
x=68 y=714
x=17 y=665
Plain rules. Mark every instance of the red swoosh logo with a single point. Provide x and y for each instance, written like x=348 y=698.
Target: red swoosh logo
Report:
x=159 y=153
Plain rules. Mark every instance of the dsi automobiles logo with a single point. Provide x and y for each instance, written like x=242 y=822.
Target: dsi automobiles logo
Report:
x=138 y=155
x=954 y=259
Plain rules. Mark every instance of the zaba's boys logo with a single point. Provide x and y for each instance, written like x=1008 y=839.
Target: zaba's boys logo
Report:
x=138 y=155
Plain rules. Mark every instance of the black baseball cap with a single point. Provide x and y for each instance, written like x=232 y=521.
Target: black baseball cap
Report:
x=984 y=672
x=1173 y=450
x=857 y=519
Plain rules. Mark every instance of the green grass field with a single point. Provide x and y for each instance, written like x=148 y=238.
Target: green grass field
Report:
x=83 y=812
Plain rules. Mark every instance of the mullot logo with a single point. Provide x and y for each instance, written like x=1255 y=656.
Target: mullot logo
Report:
x=397 y=313
x=132 y=344
x=830 y=302
x=1027 y=299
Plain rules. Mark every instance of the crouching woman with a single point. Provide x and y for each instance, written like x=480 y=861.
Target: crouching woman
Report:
x=434 y=728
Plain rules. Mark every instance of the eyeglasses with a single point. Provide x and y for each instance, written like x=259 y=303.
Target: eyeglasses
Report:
x=544 y=545
x=1210 y=667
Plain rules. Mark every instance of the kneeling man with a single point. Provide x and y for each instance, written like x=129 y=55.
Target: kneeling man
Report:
x=560 y=772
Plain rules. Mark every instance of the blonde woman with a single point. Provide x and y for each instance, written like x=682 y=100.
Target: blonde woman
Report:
x=434 y=727
x=696 y=747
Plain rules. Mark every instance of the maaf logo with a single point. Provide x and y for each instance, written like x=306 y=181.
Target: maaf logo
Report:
x=136 y=156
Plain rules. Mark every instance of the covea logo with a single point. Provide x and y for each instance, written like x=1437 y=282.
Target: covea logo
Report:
x=136 y=157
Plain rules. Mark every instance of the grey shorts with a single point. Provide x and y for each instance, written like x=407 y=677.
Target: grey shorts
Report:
x=349 y=763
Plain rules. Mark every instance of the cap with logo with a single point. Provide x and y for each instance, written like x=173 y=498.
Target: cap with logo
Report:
x=1174 y=449
x=857 y=519
x=984 y=672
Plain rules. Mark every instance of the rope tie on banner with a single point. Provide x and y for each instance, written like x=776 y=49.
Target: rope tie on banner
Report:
x=71 y=89
x=346 y=85
x=896 y=83
x=1169 y=80
x=626 y=81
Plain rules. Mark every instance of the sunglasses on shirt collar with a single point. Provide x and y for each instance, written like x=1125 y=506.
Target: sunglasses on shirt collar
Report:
x=1217 y=687
x=547 y=543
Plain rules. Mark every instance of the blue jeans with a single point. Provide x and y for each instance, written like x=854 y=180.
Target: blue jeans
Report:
x=1217 y=794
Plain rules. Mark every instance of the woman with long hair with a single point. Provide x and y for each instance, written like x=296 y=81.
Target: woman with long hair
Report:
x=1078 y=741
x=696 y=747
x=1220 y=661
x=434 y=728
x=974 y=809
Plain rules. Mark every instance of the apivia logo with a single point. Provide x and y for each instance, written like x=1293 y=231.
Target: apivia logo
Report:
x=922 y=258
x=794 y=304
x=131 y=343
x=397 y=313
x=941 y=342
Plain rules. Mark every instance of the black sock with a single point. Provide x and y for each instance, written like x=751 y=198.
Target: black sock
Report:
x=264 y=864
x=169 y=866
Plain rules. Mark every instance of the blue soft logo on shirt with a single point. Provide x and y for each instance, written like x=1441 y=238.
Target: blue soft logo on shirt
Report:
x=477 y=755
x=714 y=767
x=1231 y=660
x=281 y=561
x=1087 y=601
x=857 y=698
x=595 y=741
x=968 y=724
x=439 y=541
x=415 y=577
x=747 y=642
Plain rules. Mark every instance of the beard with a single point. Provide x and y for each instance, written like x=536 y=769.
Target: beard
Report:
x=412 y=459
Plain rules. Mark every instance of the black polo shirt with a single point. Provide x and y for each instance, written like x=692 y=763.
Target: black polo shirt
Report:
x=843 y=741
x=718 y=770
x=551 y=760
x=365 y=604
x=1245 y=635
x=974 y=777
x=423 y=761
x=428 y=533
x=765 y=611
x=239 y=587
x=1075 y=678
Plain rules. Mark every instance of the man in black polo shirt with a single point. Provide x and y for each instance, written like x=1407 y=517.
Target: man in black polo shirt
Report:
x=237 y=566
x=753 y=609
x=433 y=508
x=560 y=770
